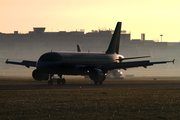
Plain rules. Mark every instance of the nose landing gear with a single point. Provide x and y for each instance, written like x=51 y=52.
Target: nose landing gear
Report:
x=59 y=80
x=50 y=82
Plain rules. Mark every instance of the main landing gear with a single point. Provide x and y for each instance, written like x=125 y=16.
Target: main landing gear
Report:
x=100 y=82
x=59 y=80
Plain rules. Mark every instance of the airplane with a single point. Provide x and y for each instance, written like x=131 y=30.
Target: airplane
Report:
x=96 y=65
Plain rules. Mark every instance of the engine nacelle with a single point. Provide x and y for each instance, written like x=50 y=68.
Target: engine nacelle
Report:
x=97 y=75
x=39 y=76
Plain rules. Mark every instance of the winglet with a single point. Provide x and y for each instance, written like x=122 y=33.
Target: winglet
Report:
x=171 y=61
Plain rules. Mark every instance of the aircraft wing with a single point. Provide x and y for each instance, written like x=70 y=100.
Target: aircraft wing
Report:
x=125 y=65
x=24 y=63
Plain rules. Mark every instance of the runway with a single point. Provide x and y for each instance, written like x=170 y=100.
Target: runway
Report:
x=86 y=86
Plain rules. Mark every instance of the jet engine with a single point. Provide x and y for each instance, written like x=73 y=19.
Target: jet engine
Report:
x=39 y=76
x=96 y=75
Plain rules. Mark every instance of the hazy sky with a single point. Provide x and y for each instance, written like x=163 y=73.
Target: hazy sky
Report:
x=152 y=17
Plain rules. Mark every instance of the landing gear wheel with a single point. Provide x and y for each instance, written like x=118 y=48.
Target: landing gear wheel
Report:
x=101 y=82
x=50 y=82
x=98 y=82
x=58 y=81
x=95 y=82
x=63 y=81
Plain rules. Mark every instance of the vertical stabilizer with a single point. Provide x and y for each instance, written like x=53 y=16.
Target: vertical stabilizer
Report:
x=114 y=44
x=79 y=48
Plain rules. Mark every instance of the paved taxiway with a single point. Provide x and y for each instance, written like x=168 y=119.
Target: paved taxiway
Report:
x=86 y=86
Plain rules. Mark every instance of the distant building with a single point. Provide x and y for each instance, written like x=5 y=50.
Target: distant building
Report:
x=39 y=30
x=38 y=41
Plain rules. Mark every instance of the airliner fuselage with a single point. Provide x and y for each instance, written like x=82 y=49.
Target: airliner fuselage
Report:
x=68 y=63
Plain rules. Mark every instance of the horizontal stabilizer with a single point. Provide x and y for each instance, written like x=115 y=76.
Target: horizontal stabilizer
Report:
x=121 y=59
x=136 y=57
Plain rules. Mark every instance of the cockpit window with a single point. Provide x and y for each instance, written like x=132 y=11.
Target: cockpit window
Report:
x=50 y=57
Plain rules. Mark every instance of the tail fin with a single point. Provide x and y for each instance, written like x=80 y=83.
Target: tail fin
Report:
x=79 y=48
x=114 y=44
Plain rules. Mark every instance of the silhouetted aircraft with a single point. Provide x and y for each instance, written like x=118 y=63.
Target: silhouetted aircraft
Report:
x=96 y=65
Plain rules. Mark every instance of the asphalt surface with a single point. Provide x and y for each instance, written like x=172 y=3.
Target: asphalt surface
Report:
x=86 y=86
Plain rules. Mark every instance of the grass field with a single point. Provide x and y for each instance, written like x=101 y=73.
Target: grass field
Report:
x=90 y=104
